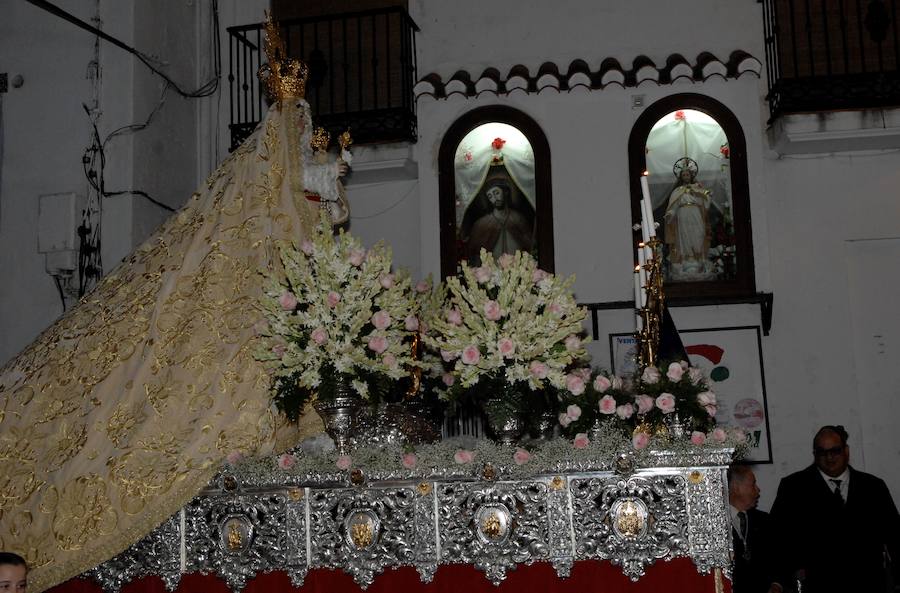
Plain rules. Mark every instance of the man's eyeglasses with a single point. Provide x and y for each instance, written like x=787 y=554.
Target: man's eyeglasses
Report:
x=832 y=452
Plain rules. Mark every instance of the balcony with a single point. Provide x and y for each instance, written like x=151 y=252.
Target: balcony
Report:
x=829 y=55
x=362 y=72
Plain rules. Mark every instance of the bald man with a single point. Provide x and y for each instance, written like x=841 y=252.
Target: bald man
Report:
x=751 y=532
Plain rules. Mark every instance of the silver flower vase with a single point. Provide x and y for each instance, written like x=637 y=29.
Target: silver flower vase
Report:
x=504 y=418
x=340 y=412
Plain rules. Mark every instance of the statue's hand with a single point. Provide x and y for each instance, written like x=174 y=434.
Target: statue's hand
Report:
x=342 y=167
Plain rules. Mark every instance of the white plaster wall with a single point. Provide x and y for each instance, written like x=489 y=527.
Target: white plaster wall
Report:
x=473 y=35
x=44 y=133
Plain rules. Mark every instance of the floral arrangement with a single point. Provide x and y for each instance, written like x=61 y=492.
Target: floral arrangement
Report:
x=603 y=399
x=334 y=311
x=681 y=392
x=509 y=322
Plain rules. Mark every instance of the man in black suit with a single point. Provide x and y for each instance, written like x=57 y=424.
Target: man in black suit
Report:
x=751 y=531
x=837 y=525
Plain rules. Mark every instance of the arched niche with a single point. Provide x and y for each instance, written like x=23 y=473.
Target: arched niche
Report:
x=468 y=212
x=694 y=151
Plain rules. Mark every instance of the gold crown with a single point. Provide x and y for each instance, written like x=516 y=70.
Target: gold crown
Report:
x=320 y=140
x=284 y=77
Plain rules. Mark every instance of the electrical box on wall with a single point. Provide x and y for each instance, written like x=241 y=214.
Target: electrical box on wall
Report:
x=58 y=218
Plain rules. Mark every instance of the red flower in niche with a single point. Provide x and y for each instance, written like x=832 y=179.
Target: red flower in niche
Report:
x=498 y=143
x=679 y=115
x=468 y=155
x=725 y=151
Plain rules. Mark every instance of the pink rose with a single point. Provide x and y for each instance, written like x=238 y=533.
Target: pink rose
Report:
x=538 y=369
x=463 y=456
x=505 y=260
x=234 y=458
x=389 y=360
x=409 y=460
x=695 y=375
x=357 y=256
x=454 y=316
x=640 y=440
x=584 y=373
x=573 y=343
x=307 y=247
x=319 y=335
x=573 y=412
x=706 y=398
x=378 y=344
x=279 y=350
x=448 y=379
x=423 y=286
x=617 y=382
x=492 y=310
x=698 y=438
x=711 y=410
x=738 y=434
x=381 y=319
x=537 y=275
x=574 y=384
x=564 y=420
x=581 y=441
x=718 y=435
x=601 y=383
x=411 y=323
x=506 y=347
x=650 y=375
x=288 y=301
x=449 y=356
x=386 y=280
x=333 y=299
x=607 y=404
x=666 y=403
x=471 y=355
x=645 y=403
x=521 y=456
x=344 y=462
x=482 y=274
x=286 y=461
x=674 y=372
x=555 y=308
x=625 y=411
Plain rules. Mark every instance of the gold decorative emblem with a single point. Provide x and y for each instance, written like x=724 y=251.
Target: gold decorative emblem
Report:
x=229 y=483
x=235 y=539
x=345 y=140
x=557 y=483
x=696 y=477
x=356 y=477
x=628 y=519
x=424 y=488
x=295 y=494
x=491 y=526
x=488 y=472
x=361 y=534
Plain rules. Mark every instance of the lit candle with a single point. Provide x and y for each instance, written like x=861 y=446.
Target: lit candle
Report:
x=648 y=206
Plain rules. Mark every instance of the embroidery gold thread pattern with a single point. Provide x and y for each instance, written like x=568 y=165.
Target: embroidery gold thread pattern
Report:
x=136 y=395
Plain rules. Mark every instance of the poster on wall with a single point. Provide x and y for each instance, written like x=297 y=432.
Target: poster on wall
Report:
x=732 y=359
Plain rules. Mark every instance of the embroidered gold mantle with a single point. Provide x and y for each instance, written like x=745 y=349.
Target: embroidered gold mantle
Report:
x=120 y=412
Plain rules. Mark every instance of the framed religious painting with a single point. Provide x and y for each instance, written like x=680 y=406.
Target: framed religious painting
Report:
x=693 y=152
x=732 y=359
x=494 y=176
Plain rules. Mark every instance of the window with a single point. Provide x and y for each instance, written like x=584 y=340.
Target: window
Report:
x=694 y=152
x=494 y=188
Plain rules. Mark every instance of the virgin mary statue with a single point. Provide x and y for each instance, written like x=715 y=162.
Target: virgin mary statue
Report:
x=122 y=411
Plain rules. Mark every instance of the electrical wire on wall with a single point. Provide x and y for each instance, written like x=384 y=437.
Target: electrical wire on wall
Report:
x=90 y=262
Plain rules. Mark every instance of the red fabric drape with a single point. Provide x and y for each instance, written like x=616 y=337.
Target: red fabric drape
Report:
x=676 y=576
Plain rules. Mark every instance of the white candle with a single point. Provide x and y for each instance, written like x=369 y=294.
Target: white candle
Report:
x=642 y=259
x=638 y=320
x=648 y=206
x=645 y=227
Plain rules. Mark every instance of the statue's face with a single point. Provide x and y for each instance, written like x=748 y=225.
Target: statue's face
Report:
x=495 y=196
x=687 y=176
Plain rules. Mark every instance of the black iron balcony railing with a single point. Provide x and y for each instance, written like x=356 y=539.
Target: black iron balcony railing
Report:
x=362 y=73
x=824 y=55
